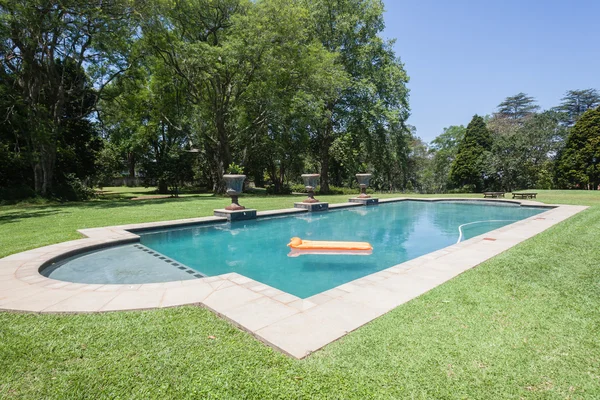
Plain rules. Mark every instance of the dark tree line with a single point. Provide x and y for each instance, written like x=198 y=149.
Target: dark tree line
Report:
x=173 y=92
x=56 y=57
x=520 y=147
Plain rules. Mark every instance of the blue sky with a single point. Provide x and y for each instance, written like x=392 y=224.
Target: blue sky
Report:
x=464 y=57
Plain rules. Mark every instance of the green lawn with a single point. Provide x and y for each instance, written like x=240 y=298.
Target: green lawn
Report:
x=525 y=324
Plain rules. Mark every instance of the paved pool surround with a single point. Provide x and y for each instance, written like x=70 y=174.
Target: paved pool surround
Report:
x=292 y=325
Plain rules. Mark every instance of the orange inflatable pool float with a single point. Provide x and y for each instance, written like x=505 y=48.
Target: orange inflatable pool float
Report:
x=300 y=246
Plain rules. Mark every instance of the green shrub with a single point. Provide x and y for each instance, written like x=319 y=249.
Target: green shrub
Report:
x=72 y=188
x=339 y=190
x=284 y=189
x=15 y=193
x=235 y=169
x=464 y=189
x=300 y=188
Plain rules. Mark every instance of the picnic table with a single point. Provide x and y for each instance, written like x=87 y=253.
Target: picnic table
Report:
x=524 y=195
x=493 y=194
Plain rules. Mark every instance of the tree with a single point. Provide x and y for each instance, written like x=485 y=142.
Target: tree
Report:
x=501 y=125
x=91 y=88
x=542 y=138
x=376 y=97
x=40 y=43
x=122 y=114
x=282 y=104
x=393 y=144
x=517 y=107
x=80 y=142
x=579 y=164
x=16 y=177
x=525 y=158
x=194 y=40
x=108 y=165
x=235 y=57
x=419 y=173
x=148 y=117
x=443 y=150
x=577 y=102
x=468 y=170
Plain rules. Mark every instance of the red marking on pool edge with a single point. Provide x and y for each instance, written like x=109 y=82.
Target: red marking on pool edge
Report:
x=490 y=239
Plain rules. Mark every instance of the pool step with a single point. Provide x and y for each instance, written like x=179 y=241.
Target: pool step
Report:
x=237 y=215
x=371 y=201
x=312 y=207
x=175 y=264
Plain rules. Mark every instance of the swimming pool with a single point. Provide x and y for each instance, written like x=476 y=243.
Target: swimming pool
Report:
x=257 y=249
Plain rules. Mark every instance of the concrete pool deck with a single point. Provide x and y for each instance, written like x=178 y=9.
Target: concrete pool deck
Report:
x=294 y=326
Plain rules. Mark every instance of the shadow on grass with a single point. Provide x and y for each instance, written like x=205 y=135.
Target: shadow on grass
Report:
x=16 y=211
x=20 y=215
x=123 y=203
x=121 y=196
x=137 y=203
x=127 y=192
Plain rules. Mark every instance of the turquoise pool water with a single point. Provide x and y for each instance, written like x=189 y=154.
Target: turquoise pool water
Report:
x=398 y=232
x=257 y=249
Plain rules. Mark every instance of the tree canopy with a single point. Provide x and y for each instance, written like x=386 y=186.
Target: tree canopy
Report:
x=444 y=149
x=517 y=107
x=577 y=102
x=55 y=60
x=473 y=151
x=579 y=163
x=279 y=87
x=168 y=94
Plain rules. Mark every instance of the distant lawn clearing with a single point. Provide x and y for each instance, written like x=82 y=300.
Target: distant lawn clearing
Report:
x=522 y=325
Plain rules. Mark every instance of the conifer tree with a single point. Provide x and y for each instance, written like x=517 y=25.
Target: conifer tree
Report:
x=579 y=164
x=517 y=107
x=576 y=102
x=468 y=166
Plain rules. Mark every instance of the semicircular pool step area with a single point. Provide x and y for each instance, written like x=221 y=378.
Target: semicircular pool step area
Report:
x=125 y=264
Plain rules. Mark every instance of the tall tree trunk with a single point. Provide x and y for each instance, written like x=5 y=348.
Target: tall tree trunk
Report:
x=43 y=169
x=131 y=164
x=325 y=170
x=217 y=175
x=281 y=176
x=38 y=178
x=224 y=152
x=163 y=188
x=214 y=166
x=218 y=181
x=324 y=150
x=48 y=162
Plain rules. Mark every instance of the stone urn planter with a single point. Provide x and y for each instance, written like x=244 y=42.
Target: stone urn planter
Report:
x=310 y=182
x=363 y=182
x=235 y=186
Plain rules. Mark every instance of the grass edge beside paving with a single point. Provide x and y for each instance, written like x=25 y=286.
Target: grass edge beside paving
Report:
x=472 y=337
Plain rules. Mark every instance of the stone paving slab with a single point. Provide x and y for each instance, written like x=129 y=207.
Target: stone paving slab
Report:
x=256 y=314
x=295 y=326
x=82 y=302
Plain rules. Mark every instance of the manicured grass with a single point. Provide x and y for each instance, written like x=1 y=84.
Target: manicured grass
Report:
x=522 y=325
